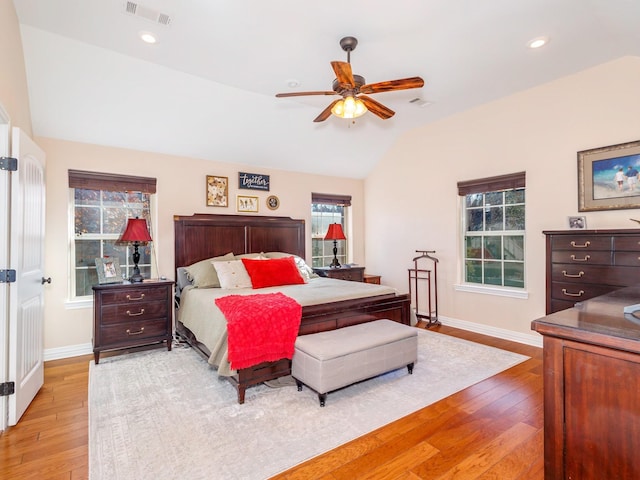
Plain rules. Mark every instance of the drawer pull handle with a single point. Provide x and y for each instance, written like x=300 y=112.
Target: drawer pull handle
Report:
x=584 y=245
x=579 y=294
x=585 y=259
x=141 y=297
x=129 y=332
x=135 y=314
x=571 y=275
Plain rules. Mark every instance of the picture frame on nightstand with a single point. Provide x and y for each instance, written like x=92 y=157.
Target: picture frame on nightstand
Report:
x=108 y=270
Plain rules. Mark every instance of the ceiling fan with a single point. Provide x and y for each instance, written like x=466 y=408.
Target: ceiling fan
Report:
x=352 y=87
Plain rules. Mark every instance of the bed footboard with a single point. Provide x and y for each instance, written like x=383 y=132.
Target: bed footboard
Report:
x=315 y=318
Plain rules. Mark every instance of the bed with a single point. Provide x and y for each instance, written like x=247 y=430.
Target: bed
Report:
x=201 y=237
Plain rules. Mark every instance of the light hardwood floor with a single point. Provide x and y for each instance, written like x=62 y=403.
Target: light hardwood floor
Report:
x=491 y=430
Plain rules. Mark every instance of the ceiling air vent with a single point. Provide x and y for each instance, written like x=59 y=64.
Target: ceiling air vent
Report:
x=133 y=8
x=419 y=102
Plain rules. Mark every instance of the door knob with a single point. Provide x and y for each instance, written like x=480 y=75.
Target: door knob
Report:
x=46 y=280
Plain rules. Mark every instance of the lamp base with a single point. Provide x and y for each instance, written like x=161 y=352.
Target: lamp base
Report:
x=335 y=263
x=136 y=278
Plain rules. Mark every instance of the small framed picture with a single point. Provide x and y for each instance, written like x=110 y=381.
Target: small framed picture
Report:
x=217 y=191
x=577 y=222
x=273 y=202
x=247 y=204
x=108 y=269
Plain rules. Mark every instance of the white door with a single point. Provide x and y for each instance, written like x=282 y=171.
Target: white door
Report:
x=5 y=177
x=26 y=295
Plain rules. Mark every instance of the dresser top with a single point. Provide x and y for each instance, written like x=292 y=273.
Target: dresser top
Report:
x=600 y=320
x=580 y=231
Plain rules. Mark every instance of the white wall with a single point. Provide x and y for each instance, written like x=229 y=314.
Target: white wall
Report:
x=411 y=197
x=181 y=190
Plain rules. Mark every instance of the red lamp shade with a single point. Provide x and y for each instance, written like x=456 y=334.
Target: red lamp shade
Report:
x=136 y=231
x=335 y=232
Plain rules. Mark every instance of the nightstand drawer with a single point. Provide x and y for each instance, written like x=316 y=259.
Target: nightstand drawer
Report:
x=134 y=295
x=131 y=313
x=132 y=332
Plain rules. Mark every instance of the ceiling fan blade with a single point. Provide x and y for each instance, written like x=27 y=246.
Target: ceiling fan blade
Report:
x=301 y=94
x=402 y=84
x=376 y=108
x=326 y=113
x=343 y=72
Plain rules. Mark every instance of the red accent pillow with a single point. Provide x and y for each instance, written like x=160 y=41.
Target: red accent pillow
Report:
x=272 y=272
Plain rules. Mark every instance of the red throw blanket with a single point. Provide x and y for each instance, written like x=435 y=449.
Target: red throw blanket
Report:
x=261 y=327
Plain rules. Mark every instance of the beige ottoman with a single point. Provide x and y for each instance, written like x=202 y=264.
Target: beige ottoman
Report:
x=327 y=361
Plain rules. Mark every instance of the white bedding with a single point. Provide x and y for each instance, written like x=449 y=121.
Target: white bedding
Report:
x=199 y=313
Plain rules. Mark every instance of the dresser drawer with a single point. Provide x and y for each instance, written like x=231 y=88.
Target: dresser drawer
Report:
x=627 y=259
x=574 y=257
x=581 y=242
x=631 y=244
x=132 y=332
x=133 y=295
x=129 y=312
x=595 y=274
x=576 y=292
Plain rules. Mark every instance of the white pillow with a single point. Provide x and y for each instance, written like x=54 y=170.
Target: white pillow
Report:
x=232 y=274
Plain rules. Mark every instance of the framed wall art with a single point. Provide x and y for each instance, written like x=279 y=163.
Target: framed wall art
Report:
x=108 y=270
x=609 y=177
x=253 y=181
x=217 y=191
x=247 y=204
x=273 y=202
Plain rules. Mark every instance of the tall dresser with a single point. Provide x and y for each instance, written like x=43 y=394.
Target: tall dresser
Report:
x=582 y=264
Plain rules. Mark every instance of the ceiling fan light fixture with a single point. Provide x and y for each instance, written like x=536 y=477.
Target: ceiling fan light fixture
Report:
x=349 y=108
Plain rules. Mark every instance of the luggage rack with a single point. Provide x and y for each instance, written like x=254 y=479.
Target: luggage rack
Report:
x=426 y=278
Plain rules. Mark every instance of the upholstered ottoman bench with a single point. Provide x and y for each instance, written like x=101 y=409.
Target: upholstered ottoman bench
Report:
x=327 y=361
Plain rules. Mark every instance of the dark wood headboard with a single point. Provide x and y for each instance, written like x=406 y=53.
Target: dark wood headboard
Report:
x=201 y=236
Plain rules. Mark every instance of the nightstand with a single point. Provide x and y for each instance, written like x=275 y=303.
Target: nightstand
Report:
x=354 y=274
x=372 y=279
x=128 y=315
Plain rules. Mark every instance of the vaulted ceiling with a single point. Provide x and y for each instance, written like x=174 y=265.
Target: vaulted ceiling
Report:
x=207 y=88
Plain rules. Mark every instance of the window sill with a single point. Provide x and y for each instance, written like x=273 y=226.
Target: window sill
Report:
x=78 y=304
x=498 y=291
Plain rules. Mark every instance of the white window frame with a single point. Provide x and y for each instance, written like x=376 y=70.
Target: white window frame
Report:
x=485 y=186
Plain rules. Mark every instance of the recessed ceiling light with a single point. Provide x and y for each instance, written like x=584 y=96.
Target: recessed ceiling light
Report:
x=538 y=42
x=293 y=83
x=148 y=37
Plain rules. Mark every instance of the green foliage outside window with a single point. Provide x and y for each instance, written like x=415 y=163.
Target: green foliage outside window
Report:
x=494 y=238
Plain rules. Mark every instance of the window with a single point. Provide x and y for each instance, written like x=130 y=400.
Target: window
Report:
x=327 y=209
x=493 y=220
x=101 y=205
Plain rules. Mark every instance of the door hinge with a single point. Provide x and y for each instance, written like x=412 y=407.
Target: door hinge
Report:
x=9 y=163
x=7 y=388
x=7 y=276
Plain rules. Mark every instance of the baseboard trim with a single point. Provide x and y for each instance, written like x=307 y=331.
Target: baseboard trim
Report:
x=66 y=352
x=535 y=339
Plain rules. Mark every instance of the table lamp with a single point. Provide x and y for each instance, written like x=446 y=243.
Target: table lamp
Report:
x=136 y=232
x=335 y=233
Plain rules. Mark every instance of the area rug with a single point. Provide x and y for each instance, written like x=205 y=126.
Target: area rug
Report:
x=158 y=415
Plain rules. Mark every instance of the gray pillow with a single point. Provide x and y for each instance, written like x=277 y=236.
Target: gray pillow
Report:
x=202 y=274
